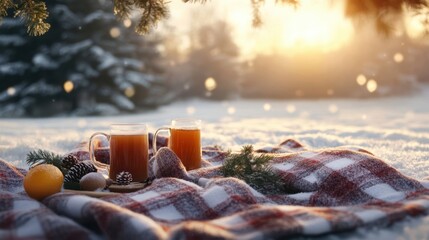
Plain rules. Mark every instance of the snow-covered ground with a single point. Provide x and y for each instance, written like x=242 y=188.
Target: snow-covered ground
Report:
x=395 y=129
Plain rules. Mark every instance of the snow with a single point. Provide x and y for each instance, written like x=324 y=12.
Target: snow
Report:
x=43 y=61
x=395 y=129
x=13 y=68
x=14 y=40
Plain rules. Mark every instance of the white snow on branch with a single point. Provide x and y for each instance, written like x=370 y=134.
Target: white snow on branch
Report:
x=11 y=40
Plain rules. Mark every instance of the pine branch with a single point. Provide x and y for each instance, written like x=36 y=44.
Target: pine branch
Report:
x=40 y=156
x=4 y=6
x=34 y=14
x=123 y=8
x=152 y=13
x=254 y=170
x=257 y=19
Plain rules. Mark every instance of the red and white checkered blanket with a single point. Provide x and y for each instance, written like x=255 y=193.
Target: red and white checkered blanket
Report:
x=335 y=190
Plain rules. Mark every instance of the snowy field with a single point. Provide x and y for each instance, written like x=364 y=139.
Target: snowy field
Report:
x=395 y=129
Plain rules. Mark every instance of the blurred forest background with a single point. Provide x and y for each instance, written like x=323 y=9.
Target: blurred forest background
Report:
x=90 y=63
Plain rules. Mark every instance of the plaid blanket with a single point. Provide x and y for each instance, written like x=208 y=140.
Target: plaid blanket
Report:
x=334 y=190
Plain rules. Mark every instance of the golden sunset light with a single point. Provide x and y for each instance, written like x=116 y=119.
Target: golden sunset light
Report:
x=314 y=26
x=221 y=119
x=319 y=26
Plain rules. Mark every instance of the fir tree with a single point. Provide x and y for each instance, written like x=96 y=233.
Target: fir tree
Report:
x=92 y=63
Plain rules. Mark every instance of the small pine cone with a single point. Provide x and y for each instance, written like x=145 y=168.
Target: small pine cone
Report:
x=124 y=178
x=69 y=161
x=78 y=171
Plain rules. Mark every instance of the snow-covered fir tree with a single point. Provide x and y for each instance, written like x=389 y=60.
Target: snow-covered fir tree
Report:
x=90 y=63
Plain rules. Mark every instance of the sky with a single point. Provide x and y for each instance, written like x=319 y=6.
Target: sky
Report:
x=315 y=26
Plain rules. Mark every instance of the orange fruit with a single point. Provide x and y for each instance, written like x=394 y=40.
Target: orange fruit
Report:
x=43 y=180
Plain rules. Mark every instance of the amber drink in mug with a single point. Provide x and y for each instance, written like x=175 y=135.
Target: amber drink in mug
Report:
x=128 y=150
x=184 y=141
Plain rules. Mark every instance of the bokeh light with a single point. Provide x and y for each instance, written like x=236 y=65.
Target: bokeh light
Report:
x=267 y=107
x=333 y=108
x=68 y=86
x=186 y=86
x=190 y=110
x=398 y=57
x=127 y=23
x=290 y=108
x=129 y=92
x=361 y=79
x=11 y=91
x=299 y=93
x=115 y=32
x=371 y=86
x=210 y=84
x=231 y=110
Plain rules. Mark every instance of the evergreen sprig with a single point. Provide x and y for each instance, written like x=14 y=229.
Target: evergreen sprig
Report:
x=34 y=14
x=123 y=8
x=254 y=170
x=4 y=6
x=152 y=13
x=40 y=156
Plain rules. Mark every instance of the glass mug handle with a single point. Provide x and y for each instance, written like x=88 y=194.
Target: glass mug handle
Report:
x=155 y=137
x=92 y=153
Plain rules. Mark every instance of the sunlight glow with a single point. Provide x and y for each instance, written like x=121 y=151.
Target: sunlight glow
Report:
x=11 y=91
x=371 y=86
x=317 y=25
x=210 y=84
x=398 y=57
x=314 y=26
x=361 y=80
x=68 y=86
x=414 y=24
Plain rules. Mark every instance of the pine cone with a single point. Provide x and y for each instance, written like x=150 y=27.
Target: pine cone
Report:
x=69 y=161
x=78 y=171
x=124 y=178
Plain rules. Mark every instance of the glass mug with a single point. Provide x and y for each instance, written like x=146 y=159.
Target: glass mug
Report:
x=129 y=148
x=184 y=141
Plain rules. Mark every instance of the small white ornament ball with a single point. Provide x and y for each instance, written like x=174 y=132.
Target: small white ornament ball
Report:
x=92 y=181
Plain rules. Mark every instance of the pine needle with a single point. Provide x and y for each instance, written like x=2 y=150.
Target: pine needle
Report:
x=254 y=170
x=40 y=156
x=34 y=13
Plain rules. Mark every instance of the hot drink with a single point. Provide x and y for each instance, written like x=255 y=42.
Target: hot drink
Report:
x=128 y=150
x=129 y=153
x=186 y=143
